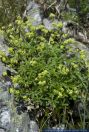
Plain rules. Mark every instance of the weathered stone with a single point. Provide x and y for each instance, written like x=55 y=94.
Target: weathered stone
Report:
x=83 y=47
x=4 y=108
x=5 y=118
x=33 y=13
x=74 y=30
x=3 y=46
x=2 y=68
x=33 y=126
x=2 y=130
x=49 y=23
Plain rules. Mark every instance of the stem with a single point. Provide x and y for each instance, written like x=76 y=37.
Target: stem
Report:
x=45 y=122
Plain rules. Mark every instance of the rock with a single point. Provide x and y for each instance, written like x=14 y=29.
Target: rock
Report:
x=1 y=130
x=5 y=118
x=33 y=126
x=19 y=122
x=81 y=46
x=33 y=13
x=74 y=30
x=49 y=23
x=2 y=68
x=4 y=107
x=3 y=46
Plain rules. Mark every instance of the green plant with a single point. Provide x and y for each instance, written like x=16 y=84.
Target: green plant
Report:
x=82 y=9
x=70 y=16
x=10 y=9
x=49 y=72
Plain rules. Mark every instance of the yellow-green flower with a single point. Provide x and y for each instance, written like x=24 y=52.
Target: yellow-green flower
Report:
x=82 y=54
x=41 y=46
x=51 y=15
x=74 y=65
x=33 y=62
x=42 y=83
x=65 y=35
x=69 y=41
x=59 y=95
x=4 y=73
x=60 y=25
x=10 y=50
x=4 y=59
x=65 y=71
x=45 y=72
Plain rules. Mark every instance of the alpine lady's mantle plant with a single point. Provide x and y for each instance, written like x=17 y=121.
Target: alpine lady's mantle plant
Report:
x=49 y=73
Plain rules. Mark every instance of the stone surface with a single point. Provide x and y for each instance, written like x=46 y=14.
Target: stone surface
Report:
x=2 y=68
x=33 y=13
x=5 y=117
x=33 y=126
x=47 y=23
x=81 y=46
x=3 y=47
x=2 y=130
x=4 y=108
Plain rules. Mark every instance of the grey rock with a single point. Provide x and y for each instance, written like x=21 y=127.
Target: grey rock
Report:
x=33 y=13
x=33 y=126
x=74 y=30
x=3 y=46
x=49 y=23
x=2 y=68
x=2 y=130
x=83 y=47
x=5 y=118
x=4 y=107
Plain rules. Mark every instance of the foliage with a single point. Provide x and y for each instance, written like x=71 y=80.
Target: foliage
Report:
x=10 y=9
x=70 y=16
x=49 y=73
x=82 y=8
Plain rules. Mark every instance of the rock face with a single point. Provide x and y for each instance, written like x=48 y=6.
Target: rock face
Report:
x=33 y=13
x=4 y=109
x=4 y=48
x=81 y=46
x=49 y=23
